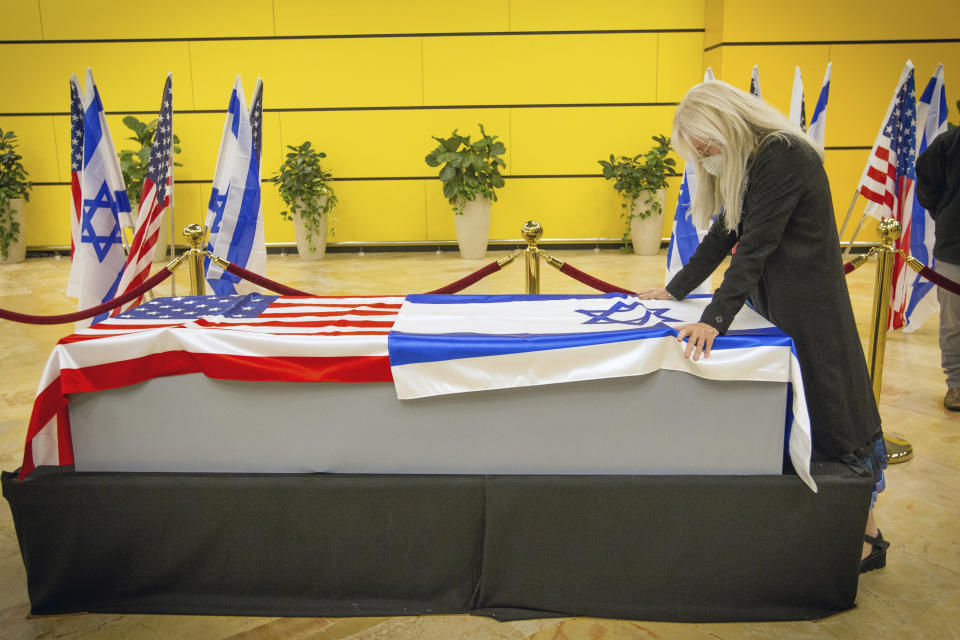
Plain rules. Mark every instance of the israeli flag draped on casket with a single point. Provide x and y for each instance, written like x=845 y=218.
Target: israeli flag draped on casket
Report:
x=442 y=344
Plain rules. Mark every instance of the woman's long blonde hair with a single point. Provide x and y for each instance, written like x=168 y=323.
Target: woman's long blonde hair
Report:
x=738 y=122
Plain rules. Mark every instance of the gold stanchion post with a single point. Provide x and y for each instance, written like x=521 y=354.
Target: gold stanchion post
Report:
x=899 y=448
x=531 y=232
x=194 y=234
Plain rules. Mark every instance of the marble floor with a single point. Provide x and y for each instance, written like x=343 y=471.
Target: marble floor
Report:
x=916 y=596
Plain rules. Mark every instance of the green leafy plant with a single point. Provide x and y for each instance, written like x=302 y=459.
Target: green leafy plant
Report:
x=470 y=169
x=639 y=175
x=133 y=163
x=13 y=184
x=303 y=185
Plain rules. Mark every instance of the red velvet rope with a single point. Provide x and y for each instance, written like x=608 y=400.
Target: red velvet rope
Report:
x=590 y=281
x=266 y=283
x=156 y=279
x=463 y=283
x=940 y=281
x=848 y=267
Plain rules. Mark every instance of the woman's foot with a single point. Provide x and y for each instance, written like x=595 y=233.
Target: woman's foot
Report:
x=876 y=558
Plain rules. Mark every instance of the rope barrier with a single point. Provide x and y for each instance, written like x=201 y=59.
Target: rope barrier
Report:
x=591 y=281
x=257 y=279
x=463 y=283
x=83 y=314
x=939 y=280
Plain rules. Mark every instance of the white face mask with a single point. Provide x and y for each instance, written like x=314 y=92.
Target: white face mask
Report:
x=713 y=164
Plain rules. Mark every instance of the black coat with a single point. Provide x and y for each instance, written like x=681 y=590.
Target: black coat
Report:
x=788 y=264
x=938 y=190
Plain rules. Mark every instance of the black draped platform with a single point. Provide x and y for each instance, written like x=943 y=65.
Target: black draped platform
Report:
x=678 y=548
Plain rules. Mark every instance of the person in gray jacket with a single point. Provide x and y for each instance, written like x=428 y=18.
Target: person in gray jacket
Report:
x=938 y=190
x=764 y=181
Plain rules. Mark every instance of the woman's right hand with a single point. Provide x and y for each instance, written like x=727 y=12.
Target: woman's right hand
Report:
x=654 y=294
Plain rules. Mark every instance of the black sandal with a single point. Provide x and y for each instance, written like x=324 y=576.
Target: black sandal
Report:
x=878 y=555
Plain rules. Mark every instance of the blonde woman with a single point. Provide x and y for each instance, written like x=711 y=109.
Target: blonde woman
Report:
x=764 y=181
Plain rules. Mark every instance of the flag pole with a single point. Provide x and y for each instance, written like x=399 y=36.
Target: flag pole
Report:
x=170 y=216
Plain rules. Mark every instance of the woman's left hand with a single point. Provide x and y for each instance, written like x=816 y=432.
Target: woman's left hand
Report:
x=699 y=337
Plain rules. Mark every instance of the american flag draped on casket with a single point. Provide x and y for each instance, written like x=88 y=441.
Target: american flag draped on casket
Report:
x=426 y=344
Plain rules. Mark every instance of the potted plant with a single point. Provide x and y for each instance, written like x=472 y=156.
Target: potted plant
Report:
x=305 y=188
x=642 y=182
x=133 y=165
x=14 y=190
x=470 y=177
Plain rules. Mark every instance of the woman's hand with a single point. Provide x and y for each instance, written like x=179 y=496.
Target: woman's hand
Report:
x=699 y=337
x=654 y=294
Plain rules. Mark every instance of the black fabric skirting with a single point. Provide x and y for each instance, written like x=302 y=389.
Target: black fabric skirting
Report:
x=675 y=548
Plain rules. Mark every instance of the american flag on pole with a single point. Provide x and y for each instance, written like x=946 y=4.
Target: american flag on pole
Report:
x=251 y=337
x=889 y=179
x=798 y=112
x=922 y=296
x=755 y=81
x=685 y=237
x=153 y=200
x=818 y=123
x=76 y=168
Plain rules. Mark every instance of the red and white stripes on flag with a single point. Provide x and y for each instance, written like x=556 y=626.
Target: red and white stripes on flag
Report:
x=154 y=199
x=889 y=179
x=76 y=168
x=252 y=337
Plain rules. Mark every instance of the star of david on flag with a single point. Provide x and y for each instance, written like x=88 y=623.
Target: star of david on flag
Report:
x=234 y=212
x=98 y=255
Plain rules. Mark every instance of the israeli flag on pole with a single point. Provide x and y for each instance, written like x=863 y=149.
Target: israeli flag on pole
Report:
x=932 y=112
x=98 y=256
x=685 y=237
x=798 y=112
x=755 y=81
x=818 y=123
x=234 y=214
x=446 y=344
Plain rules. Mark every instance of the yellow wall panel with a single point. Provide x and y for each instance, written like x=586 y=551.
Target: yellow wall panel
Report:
x=200 y=135
x=112 y=19
x=380 y=144
x=865 y=77
x=48 y=216
x=130 y=76
x=679 y=64
x=21 y=20
x=308 y=17
x=541 y=69
x=380 y=210
x=776 y=66
x=310 y=73
x=746 y=20
x=552 y=141
x=572 y=15
x=713 y=59
x=844 y=168
x=712 y=22
x=565 y=207
x=37 y=145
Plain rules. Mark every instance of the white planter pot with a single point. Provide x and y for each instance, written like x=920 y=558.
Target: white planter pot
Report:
x=17 y=250
x=473 y=229
x=317 y=245
x=646 y=233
